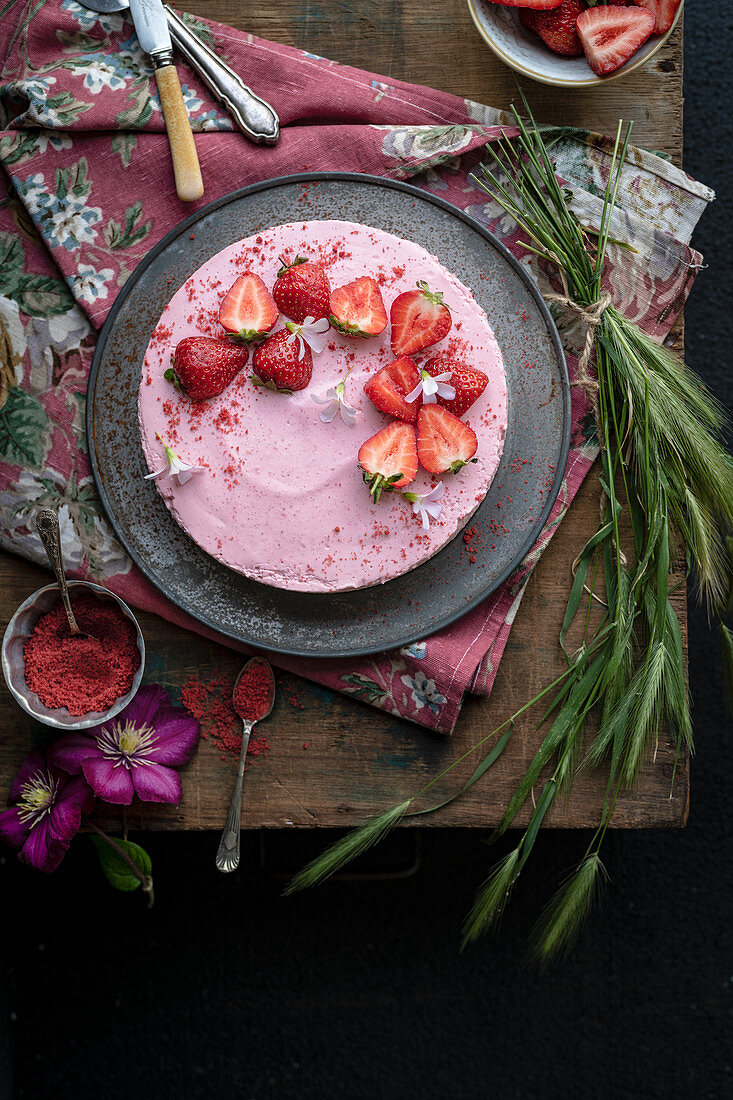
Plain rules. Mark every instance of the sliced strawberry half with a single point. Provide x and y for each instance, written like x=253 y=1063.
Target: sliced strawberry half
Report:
x=388 y=388
x=388 y=460
x=357 y=309
x=444 y=443
x=248 y=310
x=611 y=35
x=468 y=382
x=664 y=12
x=556 y=26
x=419 y=319
x=203 y=367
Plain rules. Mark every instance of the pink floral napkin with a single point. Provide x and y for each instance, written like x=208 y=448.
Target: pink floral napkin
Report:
x=86 y=189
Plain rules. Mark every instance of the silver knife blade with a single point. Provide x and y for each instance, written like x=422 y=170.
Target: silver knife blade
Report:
x=151 y=25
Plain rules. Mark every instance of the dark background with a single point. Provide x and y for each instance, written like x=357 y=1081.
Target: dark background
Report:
x=357 y=990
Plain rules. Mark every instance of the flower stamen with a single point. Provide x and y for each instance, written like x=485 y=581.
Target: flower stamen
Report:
x=37 y=797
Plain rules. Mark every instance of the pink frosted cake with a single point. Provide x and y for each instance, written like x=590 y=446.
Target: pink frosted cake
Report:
x=279 y=496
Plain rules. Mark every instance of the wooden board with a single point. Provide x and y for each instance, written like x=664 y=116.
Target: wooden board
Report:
x=359 y=760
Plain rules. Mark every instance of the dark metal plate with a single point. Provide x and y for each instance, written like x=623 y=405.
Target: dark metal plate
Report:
x=419 y=603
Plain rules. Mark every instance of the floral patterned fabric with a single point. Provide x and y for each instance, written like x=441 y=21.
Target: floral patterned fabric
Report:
x=87 y=189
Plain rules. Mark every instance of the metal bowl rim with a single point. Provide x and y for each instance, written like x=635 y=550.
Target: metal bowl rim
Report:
x=82 y=723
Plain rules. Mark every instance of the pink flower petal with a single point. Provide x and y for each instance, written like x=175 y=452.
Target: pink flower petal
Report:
x=154 y=783
x=71 y=750
x=34 y=762
x=41 y=850
x=73 y=799
x=12 y=830
x=108 y=782
x=177 y=735
x=143 y=708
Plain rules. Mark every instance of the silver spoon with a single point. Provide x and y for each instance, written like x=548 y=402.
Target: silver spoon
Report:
x=227 y=856
x=254 y=116
x=47 y=525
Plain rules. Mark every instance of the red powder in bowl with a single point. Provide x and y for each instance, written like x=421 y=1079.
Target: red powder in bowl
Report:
x=83 y=674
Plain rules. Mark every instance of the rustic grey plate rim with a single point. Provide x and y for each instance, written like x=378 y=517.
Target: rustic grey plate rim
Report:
x=400 y=639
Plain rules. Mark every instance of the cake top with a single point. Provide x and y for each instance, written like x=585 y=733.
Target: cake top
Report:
x=279 y=495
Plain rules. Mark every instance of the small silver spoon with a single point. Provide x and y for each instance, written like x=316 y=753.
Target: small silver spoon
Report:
x=47 y=525
x=227 y=856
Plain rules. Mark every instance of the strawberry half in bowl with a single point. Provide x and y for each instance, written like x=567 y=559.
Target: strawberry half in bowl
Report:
x=542 y=39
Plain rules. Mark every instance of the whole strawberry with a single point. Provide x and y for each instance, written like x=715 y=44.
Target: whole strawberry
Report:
x=556 y=27
x=203 y=367
x=302 y=290
x=468 y=382
x=282 y=364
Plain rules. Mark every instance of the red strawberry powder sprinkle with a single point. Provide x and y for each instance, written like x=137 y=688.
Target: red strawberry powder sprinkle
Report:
x=210 y=701
x=83 y=674
x=253 y=691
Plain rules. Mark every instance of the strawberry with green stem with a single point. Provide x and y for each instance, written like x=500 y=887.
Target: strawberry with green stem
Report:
x=248 y=310
x=445 y=444
x=419 y=319
x=302 y=290
x=357 y=308
x=388 y=459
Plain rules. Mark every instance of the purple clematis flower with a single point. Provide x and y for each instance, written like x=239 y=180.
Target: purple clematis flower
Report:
x=44 y=812
x=134 y=753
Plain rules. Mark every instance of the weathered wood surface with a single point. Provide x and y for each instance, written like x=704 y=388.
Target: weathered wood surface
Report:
x=358 y=759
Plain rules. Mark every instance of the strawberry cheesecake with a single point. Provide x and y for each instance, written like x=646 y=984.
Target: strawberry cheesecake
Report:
x=322 y=406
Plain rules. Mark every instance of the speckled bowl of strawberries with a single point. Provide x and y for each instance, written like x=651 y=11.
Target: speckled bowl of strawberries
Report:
x=575 y=43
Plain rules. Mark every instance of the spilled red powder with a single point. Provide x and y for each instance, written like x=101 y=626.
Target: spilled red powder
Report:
x=82 y=674
x=210 y=701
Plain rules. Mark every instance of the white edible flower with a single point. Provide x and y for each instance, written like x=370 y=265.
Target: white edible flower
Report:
x=335 y=402
x=311 y=331
x=430 y=385
x=175 y=466
x=427 y=506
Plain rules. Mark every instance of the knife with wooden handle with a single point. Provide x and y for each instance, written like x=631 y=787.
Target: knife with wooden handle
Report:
x=151 y=26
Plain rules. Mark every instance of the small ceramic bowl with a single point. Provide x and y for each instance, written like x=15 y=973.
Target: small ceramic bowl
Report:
x=526 y=53
x=16 y=634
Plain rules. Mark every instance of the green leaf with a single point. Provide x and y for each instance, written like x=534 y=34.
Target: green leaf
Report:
x=42 y=295
x=115 y=869
x=123 y=144
x=23 y=425
x=118 y=237
x=11 y=255
x=202 y=31
x=564 y=916
x=74 y=41
x=140 y=110
x=18 y=147
x=483 y=767
x=492 y=898
x=364 y=688
x=67 y=107
x=347 y=848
